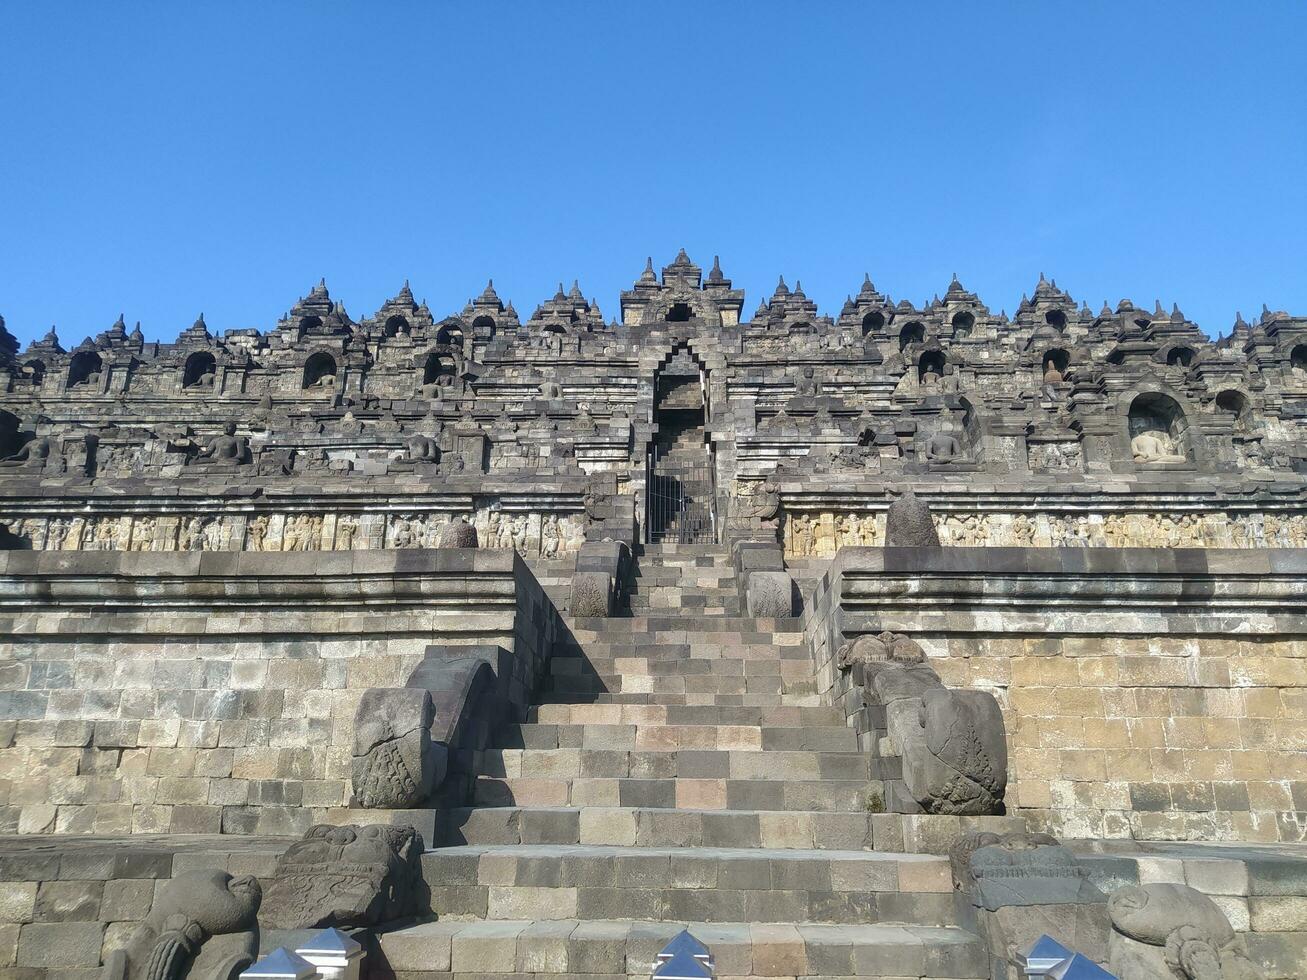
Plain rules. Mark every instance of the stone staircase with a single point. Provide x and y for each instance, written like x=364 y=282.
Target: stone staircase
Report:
x=677 y=771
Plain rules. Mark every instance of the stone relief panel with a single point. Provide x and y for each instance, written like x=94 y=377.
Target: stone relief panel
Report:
x=1054 y=457
x=529 y=534
x=821 y=534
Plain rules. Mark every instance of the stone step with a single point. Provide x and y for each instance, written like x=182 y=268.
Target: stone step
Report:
x=689 y=574
x=663 y=669
x=820 y=738
x=703 y=884
x=737 y=658
x=661 y=827
x=826 y=795
x=800 y=700
x=770 y=716
x=760 y=627
x=611 y=949
x=644 y=605
x=696 y=598
x=642 y=587
x=680 y=764
x=671 y=552
x=636 y=683
x=837 y=738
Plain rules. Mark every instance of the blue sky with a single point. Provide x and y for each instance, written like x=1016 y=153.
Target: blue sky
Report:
x=163 y=159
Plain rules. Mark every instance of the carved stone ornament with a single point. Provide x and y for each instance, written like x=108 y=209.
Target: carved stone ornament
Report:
x=202 y=926
x=763 y=502
x=953 y=743
x=344 y=876
x=1173 y=931
x=592 y=594
x=396 y=764
x=1021 y=870
x=958 y=761
x=770 y=594
x=1023 y=886
x=881 y=648
x=908 y=524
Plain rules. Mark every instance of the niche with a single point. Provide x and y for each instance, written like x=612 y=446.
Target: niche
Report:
x=1179 y=356
x=1234 y=403
x=439 y=370
x=201 y=370
x=1157 y=429
x=912 y=333
x=34 y=371
x=320 y=371
x=451 y=334
x=931 y=367
x=1056 y=362
x=1298 y=360
x=85 y=369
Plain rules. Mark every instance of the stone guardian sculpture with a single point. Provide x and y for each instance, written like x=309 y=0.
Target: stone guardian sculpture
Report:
x=202 y=926
x=1173 y=931
x=345 y=876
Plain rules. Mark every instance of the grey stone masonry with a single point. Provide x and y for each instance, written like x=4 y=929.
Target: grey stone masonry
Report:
x=207 y=693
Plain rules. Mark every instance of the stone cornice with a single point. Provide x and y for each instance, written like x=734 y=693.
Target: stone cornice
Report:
x=1090 y=591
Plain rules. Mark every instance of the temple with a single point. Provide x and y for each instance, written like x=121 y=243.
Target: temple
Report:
x=876 y=644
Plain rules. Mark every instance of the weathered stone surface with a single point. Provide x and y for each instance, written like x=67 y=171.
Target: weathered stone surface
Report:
x=1021 y=870
x=770 y=594
x=881 y=648
x=1172 y=930
x=952 y=744
x=458 y=534
x=959 y=762
x=592 y=594
x=1023 y=886
x=202 y=925
x=908 y=523
x=396 y=764
x=344 y=876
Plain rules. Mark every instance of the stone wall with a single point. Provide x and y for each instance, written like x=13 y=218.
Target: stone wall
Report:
x=62 y=911
x=211 y=692
x=1154 y=694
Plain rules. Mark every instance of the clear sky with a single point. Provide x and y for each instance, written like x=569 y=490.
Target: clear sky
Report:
x=163 y=159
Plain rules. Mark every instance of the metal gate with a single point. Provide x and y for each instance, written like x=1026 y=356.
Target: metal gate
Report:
x=681 y=506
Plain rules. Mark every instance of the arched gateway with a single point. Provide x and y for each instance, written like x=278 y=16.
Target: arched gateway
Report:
x=681 y=476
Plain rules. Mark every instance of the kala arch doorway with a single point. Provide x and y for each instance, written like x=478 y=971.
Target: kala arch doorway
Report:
x=680 y=502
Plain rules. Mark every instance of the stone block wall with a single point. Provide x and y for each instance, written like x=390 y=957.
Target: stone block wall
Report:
x=1147 y=693
x=208 y=693
x=62 y=911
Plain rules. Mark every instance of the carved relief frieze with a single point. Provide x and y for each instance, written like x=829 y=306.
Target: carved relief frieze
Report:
x=530 y=534
x=809 y=534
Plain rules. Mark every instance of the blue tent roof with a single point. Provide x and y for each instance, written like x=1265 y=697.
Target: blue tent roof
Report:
x=684 y=942
x=682 y=966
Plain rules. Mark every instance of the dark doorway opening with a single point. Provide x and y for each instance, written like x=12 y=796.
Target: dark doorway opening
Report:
x=681 y=507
